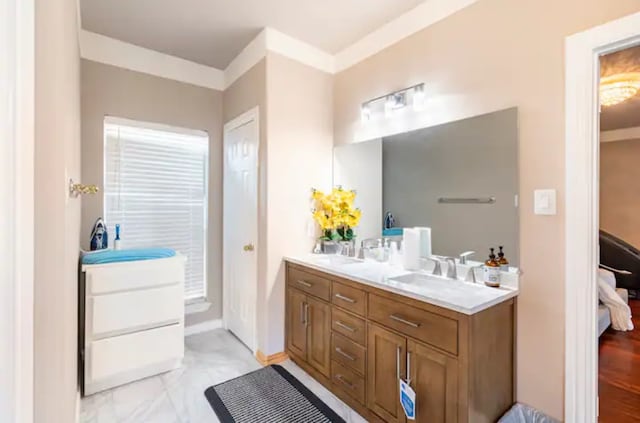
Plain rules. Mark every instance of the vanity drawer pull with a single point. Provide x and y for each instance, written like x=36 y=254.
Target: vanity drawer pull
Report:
x=305 y=283
x=347 y=299
x=343 y=326
x=345 y=382
x=344 y=354
x=406 y=322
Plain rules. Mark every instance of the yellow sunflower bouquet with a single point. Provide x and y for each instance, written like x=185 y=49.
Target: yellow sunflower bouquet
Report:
x=336 y=214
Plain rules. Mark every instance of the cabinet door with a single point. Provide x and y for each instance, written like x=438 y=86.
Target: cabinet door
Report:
x=434 y=378
x=296 y=324
x=385 y=363
x=319 y=335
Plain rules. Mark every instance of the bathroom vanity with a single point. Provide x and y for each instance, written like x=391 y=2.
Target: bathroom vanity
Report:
x=358 y=327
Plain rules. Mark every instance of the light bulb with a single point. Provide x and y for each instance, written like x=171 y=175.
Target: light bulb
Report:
x=365 y=113
x=418 y=97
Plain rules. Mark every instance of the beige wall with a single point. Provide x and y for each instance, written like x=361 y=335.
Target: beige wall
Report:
x=112 y=91
x=619 y=194
x=299 y=157
x=57 y=218
x=493 y=55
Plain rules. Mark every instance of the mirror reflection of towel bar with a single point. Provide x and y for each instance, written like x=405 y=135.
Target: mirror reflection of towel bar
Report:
x=479 y=200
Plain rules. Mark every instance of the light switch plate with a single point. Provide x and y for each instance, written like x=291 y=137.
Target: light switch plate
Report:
x=544 y=201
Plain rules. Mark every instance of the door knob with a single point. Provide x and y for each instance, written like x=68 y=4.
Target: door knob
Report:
x=248 y=247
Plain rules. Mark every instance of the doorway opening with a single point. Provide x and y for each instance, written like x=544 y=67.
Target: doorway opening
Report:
x=582 y=257
x=618 y=310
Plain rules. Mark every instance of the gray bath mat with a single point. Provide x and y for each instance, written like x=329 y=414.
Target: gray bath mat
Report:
x=270 y=394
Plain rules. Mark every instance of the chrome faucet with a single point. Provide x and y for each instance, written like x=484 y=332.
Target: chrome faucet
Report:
x=437 y=270
x=463 y=256
x=452 y=272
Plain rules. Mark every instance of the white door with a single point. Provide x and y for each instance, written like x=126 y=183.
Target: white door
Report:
x=240 y=227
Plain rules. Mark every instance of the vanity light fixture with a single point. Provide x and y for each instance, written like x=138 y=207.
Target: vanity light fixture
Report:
x=393 y=101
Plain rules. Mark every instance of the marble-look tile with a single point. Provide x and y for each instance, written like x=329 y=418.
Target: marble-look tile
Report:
x=178 y=396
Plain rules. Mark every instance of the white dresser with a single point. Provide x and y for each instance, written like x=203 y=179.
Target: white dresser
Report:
x=131 y=321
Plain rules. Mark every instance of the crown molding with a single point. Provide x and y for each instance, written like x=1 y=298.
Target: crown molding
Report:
x=102 y=49
x=416 y=19
x=300 y=51
x=624 y=134
x=255 y=51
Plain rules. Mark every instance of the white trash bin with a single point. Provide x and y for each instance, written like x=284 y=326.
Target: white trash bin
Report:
x=521 y=413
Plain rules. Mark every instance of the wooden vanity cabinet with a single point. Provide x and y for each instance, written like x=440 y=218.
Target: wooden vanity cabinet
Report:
x=358 y=341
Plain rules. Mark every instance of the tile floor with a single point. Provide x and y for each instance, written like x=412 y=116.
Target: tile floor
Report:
x=178 y=396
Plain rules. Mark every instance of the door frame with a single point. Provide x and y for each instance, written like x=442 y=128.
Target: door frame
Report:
x=17 y=76
x=246 y=117
x=582 y=201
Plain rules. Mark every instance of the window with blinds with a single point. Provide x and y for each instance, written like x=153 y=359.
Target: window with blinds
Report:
x=155 y=188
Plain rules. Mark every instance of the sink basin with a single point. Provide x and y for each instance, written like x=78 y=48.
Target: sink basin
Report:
x=337 y=260
x=421 y=278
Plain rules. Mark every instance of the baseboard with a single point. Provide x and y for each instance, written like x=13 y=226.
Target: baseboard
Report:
x=267 y=360
x=203 y=327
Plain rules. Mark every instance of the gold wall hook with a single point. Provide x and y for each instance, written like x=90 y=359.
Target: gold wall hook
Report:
x=248 y=247
x=76 y=189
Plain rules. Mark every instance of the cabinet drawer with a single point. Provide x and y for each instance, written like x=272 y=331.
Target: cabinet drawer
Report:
x=353 y=299
x=348 y=353
x=111 y=357
x=309 y=283
x=348 y=325
x=348 y=381
x=111 y=314
x=126 y=276
x=428 y=327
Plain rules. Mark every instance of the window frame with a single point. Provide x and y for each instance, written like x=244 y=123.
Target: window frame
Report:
x=114 y=120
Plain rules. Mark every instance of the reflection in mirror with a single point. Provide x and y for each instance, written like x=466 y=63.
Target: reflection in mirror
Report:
x=460 y=179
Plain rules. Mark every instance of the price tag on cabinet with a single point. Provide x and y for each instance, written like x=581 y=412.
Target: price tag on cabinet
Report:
x=408 y=400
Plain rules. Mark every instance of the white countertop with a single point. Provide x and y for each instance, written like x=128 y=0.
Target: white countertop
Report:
x=463 y=297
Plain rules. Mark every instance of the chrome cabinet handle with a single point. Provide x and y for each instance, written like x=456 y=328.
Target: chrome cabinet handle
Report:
x=344 y=354
x=306 y=314
x=305 y=283
x=347 y=299
x=408 y=368
x=343 y=326
x=406 y=322
x=399 y=350
x=344 y=381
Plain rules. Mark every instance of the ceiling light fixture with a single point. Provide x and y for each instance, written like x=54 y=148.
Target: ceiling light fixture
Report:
x=390 y=103
x=617 y=88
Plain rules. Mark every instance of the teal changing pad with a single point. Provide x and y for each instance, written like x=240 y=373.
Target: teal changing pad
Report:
x=116 y=256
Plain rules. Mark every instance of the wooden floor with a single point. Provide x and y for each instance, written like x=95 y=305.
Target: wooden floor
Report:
x=619 y=373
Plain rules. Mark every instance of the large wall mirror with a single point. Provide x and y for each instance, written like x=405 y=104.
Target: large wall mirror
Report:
x=460 y=179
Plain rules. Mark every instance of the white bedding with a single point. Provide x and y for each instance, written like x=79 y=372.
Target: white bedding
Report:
x=619 y=310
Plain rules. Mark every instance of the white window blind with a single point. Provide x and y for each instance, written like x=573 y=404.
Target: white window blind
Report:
x=155 y=187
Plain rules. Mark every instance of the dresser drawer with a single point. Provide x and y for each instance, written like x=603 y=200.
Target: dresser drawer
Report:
x=425 y=326
x=348 y=353
x=348 y=325
x=310 y=283
x=127 y=276
x=348 y=381
x=112 y=357
x=353 y=299
x=113 y=314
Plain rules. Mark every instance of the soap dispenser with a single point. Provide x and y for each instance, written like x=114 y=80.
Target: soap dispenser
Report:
x=502 y=261
x=492 y=271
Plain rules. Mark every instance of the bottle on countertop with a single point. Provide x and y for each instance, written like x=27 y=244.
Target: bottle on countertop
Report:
x=502 y=260
x=492 y=271
x=116 y=242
